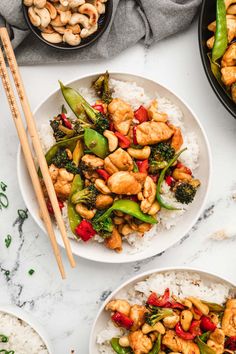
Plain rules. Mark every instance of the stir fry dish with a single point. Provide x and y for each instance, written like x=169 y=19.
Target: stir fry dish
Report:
x=168 y=324
x=109 y=163
x=223 y=47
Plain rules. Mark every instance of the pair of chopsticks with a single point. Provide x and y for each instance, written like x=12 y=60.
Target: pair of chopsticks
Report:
x=16 y=115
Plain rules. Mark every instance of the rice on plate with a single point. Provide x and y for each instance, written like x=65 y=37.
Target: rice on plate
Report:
x=135 y=95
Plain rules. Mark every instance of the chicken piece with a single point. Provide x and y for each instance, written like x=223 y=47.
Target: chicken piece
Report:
x=92 y=162
x=103 y=201
x=171 y=321
x=115 y=241
x=229 y=58
x=137 y=314
x=228 y=75
x=63 y=183
x=231 y=28
x=53 y=171
x=149 y=194
x=119 y=160
x=121 y=306
x=124 y=183
x=229 y=318
x=216 y=341
x=177 y=139
x=140 y=343
x=153 y=114
x=121 y=114
x=152 y=132
x=177 y=344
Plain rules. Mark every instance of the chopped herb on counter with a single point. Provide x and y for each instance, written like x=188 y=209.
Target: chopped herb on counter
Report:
x=31 y=271
x=23 y=214
x=3 y=201
x=3 y=338
x=3 y=186
x=8 y=240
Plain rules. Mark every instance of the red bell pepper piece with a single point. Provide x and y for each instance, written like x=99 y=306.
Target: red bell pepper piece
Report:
x=198 y=312
x=122 y=320
x=195 y=328
x=184 y=168
x=207 y=325
x=66 y=121
x=135 y=136
x=182 y=334
x=111 y=126
x=169 y=180
x=230 y=343
x=141 y=114
x=175 y=305
x=99 y=108
x=50 y=208
x=161 y=301
x=124 y=142
x=142 y=166
x=85 y=230
x=102 y=173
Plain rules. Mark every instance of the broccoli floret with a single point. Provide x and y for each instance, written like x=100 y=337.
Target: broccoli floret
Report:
x=156 y=314
x=156 y=166
x=105 y=227
x=162 y=152
x=185 y=193
x=57 y=133
x=101 y=86
x=87 y=196
x=61 y=160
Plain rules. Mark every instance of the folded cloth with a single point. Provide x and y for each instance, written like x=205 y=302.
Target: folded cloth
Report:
x=132 y=21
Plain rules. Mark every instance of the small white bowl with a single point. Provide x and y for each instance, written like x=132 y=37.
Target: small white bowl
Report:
x=163 y=240
x=103 y=316
x=26 y=317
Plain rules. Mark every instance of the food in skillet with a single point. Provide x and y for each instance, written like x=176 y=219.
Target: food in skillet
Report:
x=169 y=322
x=223 y=46
x=68 y=21
x=116 y=169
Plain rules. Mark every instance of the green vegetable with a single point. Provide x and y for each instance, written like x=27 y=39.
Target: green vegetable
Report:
x=3 y=338
x=68 y=143
x=61 y=160
x=78 y=152
x=203 y=347
x=101 y=86
x=96 y=142
x=156 y=166
x=161 y=179
x=60 y=132
x=162 y=152
x=87 y=196
x=135 y=169
x=129 y=207
x=205 y=336
x=4 y=351
x=103 y=227
x=213 y=306
x=73 y=216
x=157 y=314
x=8 y=240
x=77 y=103
x=31 y=271
x=221 y=34
x=185 y=193
x=118 y=348
x=157 y=345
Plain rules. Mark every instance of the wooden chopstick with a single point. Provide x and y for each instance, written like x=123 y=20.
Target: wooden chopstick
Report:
x=35 y=139
x=29 y=161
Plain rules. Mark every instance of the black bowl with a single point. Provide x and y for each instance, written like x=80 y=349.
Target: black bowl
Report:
x=208 y=14
x=103 y=22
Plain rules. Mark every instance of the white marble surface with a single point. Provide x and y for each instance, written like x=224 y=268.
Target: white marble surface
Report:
x=67 y=308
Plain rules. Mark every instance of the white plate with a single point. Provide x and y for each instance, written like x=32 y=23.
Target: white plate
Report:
x=97 y=252
x=24 y=316
x=103 y=316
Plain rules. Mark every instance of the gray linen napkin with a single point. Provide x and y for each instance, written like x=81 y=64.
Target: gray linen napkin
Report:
x=132 y=20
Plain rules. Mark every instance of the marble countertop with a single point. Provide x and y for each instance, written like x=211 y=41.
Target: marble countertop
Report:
x=67 y=308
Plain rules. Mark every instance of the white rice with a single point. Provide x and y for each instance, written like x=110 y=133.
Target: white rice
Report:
x=180 y=283
x=136 y=96
x=22 y=338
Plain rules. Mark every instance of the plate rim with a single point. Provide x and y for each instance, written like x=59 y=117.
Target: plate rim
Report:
x=135 y=256
x=146 y=274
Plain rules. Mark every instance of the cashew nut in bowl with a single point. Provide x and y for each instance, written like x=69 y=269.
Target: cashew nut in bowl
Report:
x=70 y=38
x=40 y=4
x=44 y=15
x=75 y=29
x=75 y=3
x=59 y=29
x=48 y=29
x=34 y=18
x=64 y=2
x=52 y=37
x=79 y=19
x=65 y=17
x=28 y=2
x=101 y=8
x=91 y=11
x=87 y=32
x=51 y=9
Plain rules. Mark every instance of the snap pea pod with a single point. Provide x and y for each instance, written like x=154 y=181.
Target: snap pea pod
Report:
x=213 y=306
x=157 y=346
x=68 y=143
x=96 y=142
x=205 y=336
x=203 y=347
x=129 y=207
x=221 y=34
x=73 y=98
x=118 y=348
x=73 y=216
x=161 y=179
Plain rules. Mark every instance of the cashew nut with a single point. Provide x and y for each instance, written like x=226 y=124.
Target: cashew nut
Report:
x=140 y=154
x=64 y=2
x=157 y=327
x=47 y=29
x=75 y=3
x=124 y=341
x=79 y=19
x=199 y=305
x=171 y=321
x=154 y=208
x=28 y=2
x=52 y=37
x=126 y=230
x=232 y=10
x=60 y=8
x=186 y=319
x=65 y=17
x=70 y=38
x=101 y=186
x=101 y=8
x=75 y=29
x=60 y=29
x=40 y=4
x=112 y=140
x=84 y=212
x=44 y=15
x=87 y=32
x=103 y=201
x=51 y=9
x=179 y=175
x=153 y=114
x=34 y=18
x=91 y=12
x=57 y=22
